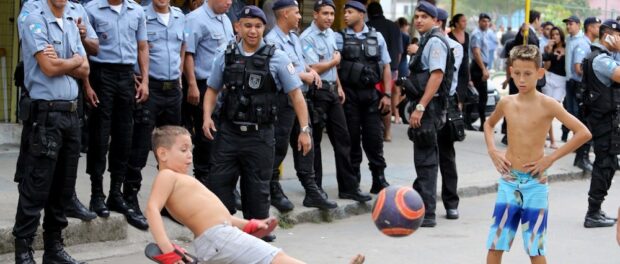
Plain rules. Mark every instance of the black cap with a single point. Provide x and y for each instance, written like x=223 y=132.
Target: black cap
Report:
x=483 y=16
x=612 y=24
x=251 y=11
x=591 y=20
x=427 y=7
x=442 y=14
x=321 y=3
x=572 y=18
x=283 y=3
x=355 y=5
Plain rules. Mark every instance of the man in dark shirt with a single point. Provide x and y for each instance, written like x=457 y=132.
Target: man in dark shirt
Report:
x=507 y=36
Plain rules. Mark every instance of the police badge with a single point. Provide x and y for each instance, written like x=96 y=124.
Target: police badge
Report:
x=254 y=81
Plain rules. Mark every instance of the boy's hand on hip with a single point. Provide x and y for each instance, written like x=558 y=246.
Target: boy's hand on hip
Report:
x=501 y=163
x=538 y=168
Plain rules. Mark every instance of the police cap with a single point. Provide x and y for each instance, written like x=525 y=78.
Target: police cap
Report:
x=484 y=16
x=572 y=18
x=442 y=14
x=611 y=24
x=252 y=11
x=284 y=3
x=321 y=3
x=355 y=5
x=591 y=20
x=427 y=8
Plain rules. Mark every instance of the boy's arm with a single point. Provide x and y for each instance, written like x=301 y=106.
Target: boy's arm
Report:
x=581 y=136
x=162 y=189
x=499 y=159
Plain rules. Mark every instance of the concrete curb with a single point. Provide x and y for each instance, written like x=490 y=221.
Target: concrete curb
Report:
x=348 y=208
x=78 y=232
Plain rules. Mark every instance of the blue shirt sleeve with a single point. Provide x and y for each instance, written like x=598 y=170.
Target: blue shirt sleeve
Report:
x=476 y=41
x=437 y=54
x=216 y=79
x=339 y=40
x=35 y=36
x=193 y=34
x=141 y=33
x=604 y=67
x=581 y=51
x=283 y=71
x=385 y=55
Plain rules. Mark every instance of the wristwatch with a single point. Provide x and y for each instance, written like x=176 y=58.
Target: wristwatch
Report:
x=420 y=108
x=306 y=129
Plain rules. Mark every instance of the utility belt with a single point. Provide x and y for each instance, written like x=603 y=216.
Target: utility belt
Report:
x=331 y=87
x=118 y=67
x=246 y=127
x=29 y=109
x=165 y=84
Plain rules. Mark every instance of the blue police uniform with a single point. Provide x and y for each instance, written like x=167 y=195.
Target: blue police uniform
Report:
x=362 y=102
x=54 y=137
x=319 y=46
x=112 y=78
x=206 y=32
x=246 y=148
x=163 y=107
x=479 y=40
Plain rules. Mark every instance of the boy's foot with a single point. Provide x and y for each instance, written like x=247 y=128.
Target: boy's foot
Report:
x=359 y=259
x=428 y=222
x=597 y=220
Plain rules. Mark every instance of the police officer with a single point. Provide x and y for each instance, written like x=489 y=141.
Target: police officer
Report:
x=602 y=78
x=164 y=27
x=321 y=54
x=577 y=48
x=365 y=62
x=446 y=136
x=429 y=115
x=481 y=59
x=208 y=28
x=252 y=73
x=283 y=37
x=121 y=28
x=54 y=138
x=74 y=208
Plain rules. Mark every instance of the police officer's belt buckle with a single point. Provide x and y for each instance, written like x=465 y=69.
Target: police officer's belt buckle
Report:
x=246 y=128
x=168 y=85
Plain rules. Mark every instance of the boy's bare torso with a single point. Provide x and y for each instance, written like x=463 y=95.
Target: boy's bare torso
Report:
x=192 y=204
x=529 y=120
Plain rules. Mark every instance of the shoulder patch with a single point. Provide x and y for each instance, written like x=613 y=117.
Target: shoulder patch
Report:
x=23 y=15
x=435 y=53
x=36 y=28
x=291 y=68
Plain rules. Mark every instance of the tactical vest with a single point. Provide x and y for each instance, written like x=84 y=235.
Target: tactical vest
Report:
x=359 y=67
x=419 y=77
x=598 y=97
x=250 y=88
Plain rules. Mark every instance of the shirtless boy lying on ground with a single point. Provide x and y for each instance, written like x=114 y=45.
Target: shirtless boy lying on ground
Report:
x=522 y=195
x=218 y=235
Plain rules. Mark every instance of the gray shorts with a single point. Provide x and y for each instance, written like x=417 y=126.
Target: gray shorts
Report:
x=227 y=244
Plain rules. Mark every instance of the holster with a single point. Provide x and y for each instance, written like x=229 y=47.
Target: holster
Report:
x=455 y=121
x=25 y=108
x=412 y=92
x=42 y=144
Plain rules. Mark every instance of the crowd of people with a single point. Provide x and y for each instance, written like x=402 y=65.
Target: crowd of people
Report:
x=101 y=77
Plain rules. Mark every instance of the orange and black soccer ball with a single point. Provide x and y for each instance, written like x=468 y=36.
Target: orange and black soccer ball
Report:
x=398 y=211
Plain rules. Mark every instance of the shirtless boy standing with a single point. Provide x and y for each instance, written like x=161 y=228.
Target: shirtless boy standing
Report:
x=523 y=191
x=218 y=238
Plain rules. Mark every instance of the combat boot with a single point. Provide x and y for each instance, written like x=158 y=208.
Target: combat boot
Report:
x=23 y=251
x=54 y=250
x=97 y=198
x=582 y=161
x=314 y=197
x=117 y=203
x=595 y=217
x=130 y=193
x=76 y=209
x=278 y=199
x=378 y=181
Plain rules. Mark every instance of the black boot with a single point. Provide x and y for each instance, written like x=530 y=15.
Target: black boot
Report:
x=279 y=199
x=130 y=193
x=314 y=197
x=23 y=251
x=378 y=181
x=54 y=250
x=582 y=161
x=76 y=209
x=117 y=203
x=97 y=198
x=594 y=218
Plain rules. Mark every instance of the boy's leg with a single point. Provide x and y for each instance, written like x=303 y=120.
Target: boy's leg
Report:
x=534 y=218
x=494 y=256
x=538 y=260
x=506 y=216
x=283 y=258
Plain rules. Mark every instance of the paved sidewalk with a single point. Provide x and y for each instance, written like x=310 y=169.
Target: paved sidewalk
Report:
x=476 y=176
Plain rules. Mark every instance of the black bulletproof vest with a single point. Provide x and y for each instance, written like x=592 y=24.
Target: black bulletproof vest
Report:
x=600 y=98
x=360 y=59
x=250 y=87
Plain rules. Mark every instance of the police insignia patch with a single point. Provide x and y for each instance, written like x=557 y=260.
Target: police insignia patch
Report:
x=435 y=54
x=254 y=81
x=36 y=28
x=290 y=68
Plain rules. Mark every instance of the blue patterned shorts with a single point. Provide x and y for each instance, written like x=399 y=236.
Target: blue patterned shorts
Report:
x=520 y=198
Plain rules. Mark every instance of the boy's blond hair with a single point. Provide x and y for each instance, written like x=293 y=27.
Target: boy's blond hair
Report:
x=164 y=136
x=526 y=53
